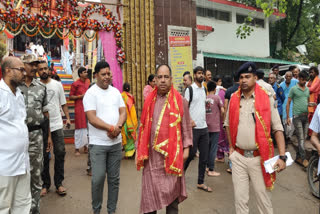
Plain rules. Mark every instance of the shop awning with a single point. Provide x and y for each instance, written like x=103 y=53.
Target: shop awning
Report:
x=248 y=58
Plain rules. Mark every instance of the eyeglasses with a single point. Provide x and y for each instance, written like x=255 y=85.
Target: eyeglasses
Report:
x=22 y=70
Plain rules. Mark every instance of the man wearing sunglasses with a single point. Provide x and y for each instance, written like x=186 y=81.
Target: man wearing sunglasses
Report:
x=15 y=197
x=35 y=97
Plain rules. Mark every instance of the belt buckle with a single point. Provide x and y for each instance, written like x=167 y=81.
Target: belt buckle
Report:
x=248 y=154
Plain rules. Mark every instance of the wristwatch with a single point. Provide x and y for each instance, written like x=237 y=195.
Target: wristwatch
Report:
x=283 y=157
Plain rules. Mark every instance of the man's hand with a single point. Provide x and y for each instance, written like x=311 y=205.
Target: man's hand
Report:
x=279 y=165
x=68 y=123
x=193 y=124
x=288 y=121
x=114 y=133
x=50 y=144
x=185 y=154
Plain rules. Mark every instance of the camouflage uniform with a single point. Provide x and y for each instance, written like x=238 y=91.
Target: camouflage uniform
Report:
x=36 y=103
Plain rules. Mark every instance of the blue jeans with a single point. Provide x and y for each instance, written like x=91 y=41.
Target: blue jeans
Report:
x=105 y=160
x=213 y=148
x=301 y=125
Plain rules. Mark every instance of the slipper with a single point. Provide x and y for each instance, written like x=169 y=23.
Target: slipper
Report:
x=213 y=173
x=205 y=188
x=61 y=191
x=44 y=192
x=229 y=170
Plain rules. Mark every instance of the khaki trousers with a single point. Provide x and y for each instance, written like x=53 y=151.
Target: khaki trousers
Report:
x=243 y=170
x=15 y=195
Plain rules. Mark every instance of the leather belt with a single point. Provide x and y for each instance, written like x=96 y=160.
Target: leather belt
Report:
x=33 y=128
x=248 y=153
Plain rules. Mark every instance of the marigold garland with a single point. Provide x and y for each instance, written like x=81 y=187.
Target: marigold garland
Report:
x=12 y=16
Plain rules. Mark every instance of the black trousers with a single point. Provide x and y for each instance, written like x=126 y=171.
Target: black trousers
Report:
x=59 y=156
x=170 y=209
x=201 y=142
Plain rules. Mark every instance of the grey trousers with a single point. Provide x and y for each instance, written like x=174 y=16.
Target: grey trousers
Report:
x=301 y=126
x=105 y=159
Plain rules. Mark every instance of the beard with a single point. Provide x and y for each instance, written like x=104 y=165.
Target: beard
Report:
x=44 y=76
x=200 y=80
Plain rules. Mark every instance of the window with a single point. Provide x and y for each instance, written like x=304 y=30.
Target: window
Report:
x=212 y=13
x=256 y=22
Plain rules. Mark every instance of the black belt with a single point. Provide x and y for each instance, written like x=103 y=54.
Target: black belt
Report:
x=33 y=128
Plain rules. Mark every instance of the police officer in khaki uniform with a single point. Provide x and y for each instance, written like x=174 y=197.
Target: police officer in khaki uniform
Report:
x=35 y=95
x=250 y=118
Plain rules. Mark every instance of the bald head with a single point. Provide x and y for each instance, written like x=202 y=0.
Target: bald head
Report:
x=9 y=62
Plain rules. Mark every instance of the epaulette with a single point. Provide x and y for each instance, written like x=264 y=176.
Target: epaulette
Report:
x=267 y=92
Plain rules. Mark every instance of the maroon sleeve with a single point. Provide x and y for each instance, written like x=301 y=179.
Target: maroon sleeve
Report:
x=73 y=89
x=186 y=127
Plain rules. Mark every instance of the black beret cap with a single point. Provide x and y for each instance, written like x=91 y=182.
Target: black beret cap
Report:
x=248 y=67
x=259 y=71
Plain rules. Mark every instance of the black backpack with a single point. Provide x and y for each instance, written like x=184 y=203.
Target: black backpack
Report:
x=191 y=93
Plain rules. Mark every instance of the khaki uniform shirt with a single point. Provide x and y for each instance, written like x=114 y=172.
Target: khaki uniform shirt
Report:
x=246 y=128
x=35 y=97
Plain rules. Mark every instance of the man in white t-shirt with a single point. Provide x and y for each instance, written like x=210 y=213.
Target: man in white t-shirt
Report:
x=56 y=99
x=106 y=113
x=197 y=107
x=15 y=195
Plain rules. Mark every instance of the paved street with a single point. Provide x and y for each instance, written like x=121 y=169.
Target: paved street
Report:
x=290 y=195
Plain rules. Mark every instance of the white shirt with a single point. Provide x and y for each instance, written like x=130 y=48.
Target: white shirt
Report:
x=56 y=99
x=218 y=89
x=14 y=142
x=106 y=103
x=315 y=122
x=198 y=105
x=267 y=87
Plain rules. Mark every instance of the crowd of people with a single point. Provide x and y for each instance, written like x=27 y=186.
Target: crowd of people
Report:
x=213 y=118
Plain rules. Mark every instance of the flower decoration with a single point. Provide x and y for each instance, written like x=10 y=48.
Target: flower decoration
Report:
x=27 y=4
x=32 y=24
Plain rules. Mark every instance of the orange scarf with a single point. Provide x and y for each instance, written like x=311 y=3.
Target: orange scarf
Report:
x=314 y=95
x=168 y=139
x=262 y=128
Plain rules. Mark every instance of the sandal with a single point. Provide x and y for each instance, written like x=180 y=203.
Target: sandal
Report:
x=61 y=191
x=229 y=170
x=44 y=192
x=204 y=188
x=213 y=173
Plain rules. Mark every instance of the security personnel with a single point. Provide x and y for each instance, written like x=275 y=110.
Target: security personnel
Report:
x=251 y=117
x=35 y=96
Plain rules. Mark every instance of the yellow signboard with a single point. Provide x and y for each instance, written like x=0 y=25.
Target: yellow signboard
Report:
x=180 y=57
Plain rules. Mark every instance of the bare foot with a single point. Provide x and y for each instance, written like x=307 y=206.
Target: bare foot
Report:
x=44 y=192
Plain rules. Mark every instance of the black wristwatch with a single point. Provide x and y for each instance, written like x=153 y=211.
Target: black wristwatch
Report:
x=283 y=157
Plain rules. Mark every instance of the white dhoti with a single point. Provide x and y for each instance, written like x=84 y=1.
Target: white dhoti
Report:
x=80 y=138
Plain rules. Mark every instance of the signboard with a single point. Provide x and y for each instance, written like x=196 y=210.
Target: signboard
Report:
x=180 y=55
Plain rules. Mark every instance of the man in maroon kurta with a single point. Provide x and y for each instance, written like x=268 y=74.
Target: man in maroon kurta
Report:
x=77 y=91
x=163 y=182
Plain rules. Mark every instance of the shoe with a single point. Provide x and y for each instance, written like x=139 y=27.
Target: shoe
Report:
x=305 y=163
